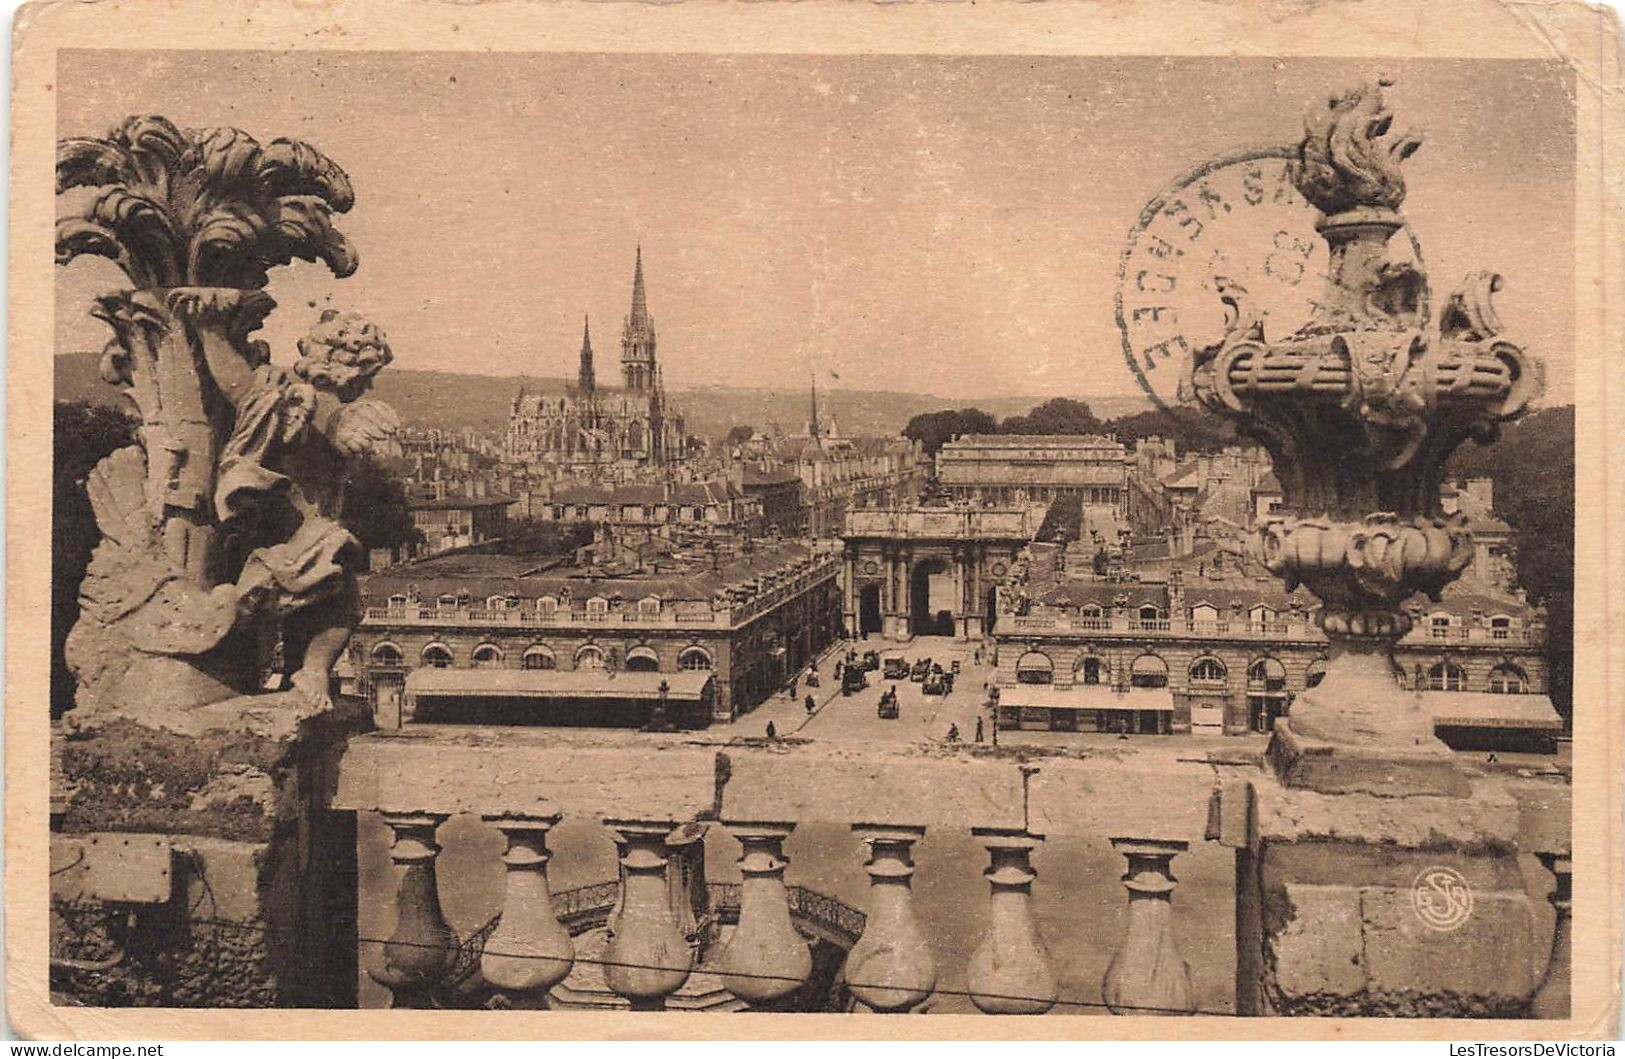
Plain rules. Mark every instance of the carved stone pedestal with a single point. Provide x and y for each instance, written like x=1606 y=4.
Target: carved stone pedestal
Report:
x=1359 y=904
x=1332 y=768
x=205 y=864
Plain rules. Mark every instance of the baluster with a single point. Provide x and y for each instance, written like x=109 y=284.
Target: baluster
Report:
x=648 y=957
x=890 y=969
x=1552 y=999
x=1011 y=973
x=1147 y=975
x=529 y=952
x=423 y=947
x=766 y=960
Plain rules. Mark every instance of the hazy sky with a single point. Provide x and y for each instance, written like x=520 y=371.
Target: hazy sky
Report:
x=942 y=225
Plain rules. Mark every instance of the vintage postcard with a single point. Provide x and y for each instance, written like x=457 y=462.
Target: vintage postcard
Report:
x=736 y=520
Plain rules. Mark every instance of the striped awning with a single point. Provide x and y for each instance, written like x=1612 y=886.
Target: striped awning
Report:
x=1086 y=697
x=683 y=686
x=1483 y=709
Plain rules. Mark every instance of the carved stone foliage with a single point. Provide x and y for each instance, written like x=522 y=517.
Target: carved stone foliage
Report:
x=201 y=208
x=219 y=527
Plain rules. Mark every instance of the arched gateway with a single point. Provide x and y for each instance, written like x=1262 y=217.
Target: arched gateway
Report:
x=928 y=571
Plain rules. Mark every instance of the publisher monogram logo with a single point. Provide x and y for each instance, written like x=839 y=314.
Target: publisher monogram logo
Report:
x=1442 y=898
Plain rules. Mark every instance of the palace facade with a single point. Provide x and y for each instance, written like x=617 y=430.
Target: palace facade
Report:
x=1219 y=648
x=602 y=639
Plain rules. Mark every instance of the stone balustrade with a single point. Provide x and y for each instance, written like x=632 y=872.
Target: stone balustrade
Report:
x=777 y=590
x=1274 y=632
x=521 y=784
x=940 y=523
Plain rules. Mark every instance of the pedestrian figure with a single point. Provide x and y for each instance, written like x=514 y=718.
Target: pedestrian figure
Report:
x=978 y=729
x=811 y=705
x=792 y=692
x=953 y=733
x=772 y=732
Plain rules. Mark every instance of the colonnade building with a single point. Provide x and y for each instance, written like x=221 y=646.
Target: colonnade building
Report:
x=1036 y=468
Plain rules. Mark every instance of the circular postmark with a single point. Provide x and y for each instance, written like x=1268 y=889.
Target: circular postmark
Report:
x=1441 y=897
x=1236 y=221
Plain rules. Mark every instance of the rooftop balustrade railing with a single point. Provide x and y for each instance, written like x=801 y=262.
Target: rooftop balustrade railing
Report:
x=879 y=803
x=1530 y=634
x=873 y=817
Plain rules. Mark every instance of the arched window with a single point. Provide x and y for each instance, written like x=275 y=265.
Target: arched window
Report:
x=538 y=657
x=487 y=656
x=547 y=605
x=1090 y=670
x=1090 y=610
x=1209 y=670
x=1508 y=679
x=1268 y=673
x=1500 y=627
x=1035 y=667
x=642 y=660
x=1204 y=612
x=437 y=655
x=496 y=602
x=1447 y=676
x=1316 y=673
x=694 y=658
x=590 y=657
x=1149 y=671
x=1439 y=625
x=1149 y=612
x=387 y=654
x=597 y=605
x=648 y=607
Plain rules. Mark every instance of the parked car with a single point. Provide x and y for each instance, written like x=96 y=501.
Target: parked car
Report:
x=853 y=679
x=871 y=660
x=888 y=705
x=921 y=668
x=935 y=684
x=895 y=668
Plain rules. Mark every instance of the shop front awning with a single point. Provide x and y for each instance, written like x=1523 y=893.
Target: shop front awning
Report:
x=685 y=686
x=1483 y=709
x=1086 y=697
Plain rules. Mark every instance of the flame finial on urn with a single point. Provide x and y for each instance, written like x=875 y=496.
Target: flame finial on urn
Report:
x=1351 y=153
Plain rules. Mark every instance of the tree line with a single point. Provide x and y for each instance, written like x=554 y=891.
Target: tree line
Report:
x=1192 y=430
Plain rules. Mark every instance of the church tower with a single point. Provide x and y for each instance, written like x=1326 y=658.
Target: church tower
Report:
x=586 y=378
x=638 y=338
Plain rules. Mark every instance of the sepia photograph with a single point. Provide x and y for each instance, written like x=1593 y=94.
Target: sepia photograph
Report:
x=612 y=513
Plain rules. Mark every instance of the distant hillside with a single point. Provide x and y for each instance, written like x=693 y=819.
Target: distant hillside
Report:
x=452 y=399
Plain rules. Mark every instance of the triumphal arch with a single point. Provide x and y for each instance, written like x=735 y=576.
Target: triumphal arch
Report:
x=918 y=571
